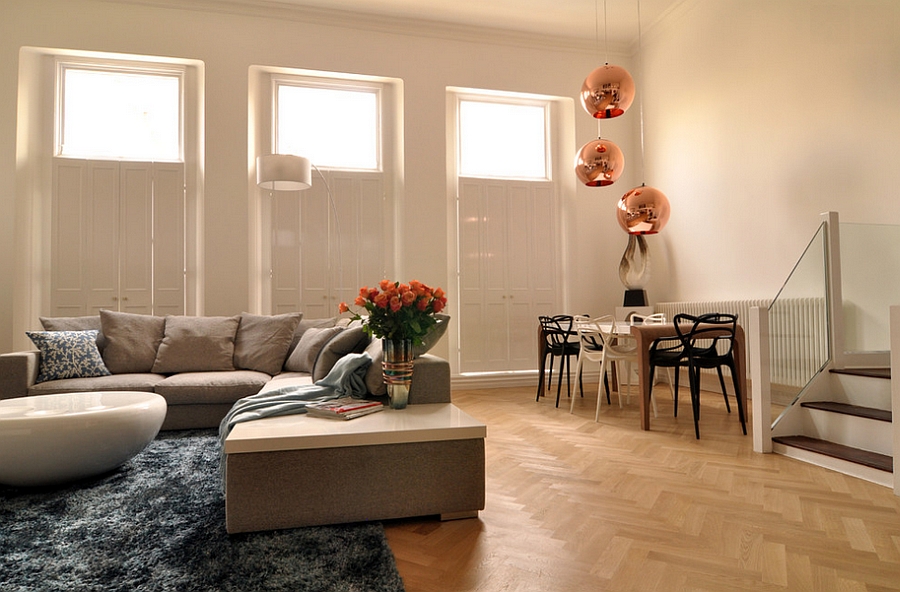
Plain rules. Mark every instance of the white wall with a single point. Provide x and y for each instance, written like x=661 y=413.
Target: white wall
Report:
x=759 y=115
x=228 y=44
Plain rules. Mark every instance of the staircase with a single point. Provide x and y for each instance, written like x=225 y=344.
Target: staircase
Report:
x=843 y=423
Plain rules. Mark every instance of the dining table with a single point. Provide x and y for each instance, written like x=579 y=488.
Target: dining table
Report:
x=646 y=334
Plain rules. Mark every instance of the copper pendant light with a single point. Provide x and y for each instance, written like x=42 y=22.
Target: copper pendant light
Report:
x=599 y=163
x=607 y=92
x=643 y=210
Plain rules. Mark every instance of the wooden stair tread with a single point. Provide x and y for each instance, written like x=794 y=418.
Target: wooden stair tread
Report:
x=846 y=409
x=870 y=372
x=862 y=457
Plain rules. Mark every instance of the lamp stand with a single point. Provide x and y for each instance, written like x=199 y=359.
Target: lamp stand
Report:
x=337 y=223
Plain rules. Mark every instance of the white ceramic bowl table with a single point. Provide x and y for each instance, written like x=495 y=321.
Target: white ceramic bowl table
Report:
x=52 y=439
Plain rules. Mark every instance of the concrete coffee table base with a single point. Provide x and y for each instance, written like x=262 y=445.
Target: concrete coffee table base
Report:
x=52 y=439
x=286 y=472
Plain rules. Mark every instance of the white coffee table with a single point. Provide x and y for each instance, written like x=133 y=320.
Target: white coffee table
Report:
x=52 y=439
x=297 y=470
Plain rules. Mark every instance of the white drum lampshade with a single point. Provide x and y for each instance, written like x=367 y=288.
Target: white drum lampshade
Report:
x=283 y=172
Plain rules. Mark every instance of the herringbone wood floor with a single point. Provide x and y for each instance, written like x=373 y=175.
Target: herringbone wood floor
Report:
x=574 y=505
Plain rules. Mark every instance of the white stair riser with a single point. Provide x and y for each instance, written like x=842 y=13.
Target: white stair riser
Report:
x=858 y=432
x=864 y=391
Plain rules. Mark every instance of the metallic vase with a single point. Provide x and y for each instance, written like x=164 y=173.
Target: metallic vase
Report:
x=398 y=369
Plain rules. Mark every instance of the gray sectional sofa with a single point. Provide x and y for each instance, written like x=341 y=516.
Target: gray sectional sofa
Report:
x=200 y=365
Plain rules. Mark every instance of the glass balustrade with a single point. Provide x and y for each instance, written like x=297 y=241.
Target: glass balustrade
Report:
x=799 y=332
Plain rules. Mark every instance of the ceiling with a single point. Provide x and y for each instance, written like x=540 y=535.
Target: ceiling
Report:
x=576 y=20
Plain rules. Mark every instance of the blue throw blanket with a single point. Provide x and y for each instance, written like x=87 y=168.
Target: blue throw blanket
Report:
x=346 y=379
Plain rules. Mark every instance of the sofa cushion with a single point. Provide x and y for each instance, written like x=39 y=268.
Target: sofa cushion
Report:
x=375 y=373
x=304 y=355
x=197 y=344
x=304 y=325
x=131 y=340
x=262 y=341
x=112 y=382
x=87 y=323
x=433 y=336
x=204 y=388
x=351 y=340
x=68 y=354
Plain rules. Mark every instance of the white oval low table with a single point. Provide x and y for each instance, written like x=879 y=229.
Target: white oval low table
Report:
x=51 y=439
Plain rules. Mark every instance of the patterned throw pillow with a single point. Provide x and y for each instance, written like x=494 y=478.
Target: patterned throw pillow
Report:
x=68 y=354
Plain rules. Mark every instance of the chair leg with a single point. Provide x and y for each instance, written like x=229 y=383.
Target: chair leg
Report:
x=600 y=394
x=562 y=362
x=578 y=371
x=737 y=396
x=603 y=369
x=628 y=384
x=724 y=392
x=694 y=375
x=675 y=390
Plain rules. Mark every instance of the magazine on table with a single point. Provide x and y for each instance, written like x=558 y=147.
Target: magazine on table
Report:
x=344 y=408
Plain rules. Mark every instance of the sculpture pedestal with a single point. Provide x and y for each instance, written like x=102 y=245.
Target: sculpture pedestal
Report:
x=635 y=298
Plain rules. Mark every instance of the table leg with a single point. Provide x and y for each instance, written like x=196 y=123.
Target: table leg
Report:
x=644 y=386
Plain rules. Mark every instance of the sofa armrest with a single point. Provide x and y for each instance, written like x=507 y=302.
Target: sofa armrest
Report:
x=431 y=380
x=18 y=372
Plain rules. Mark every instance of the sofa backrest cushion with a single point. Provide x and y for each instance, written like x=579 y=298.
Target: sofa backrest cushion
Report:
x=196 y=344
x=262 y=341
x=433 y=336
x=68 y=354
x=375 y=372
x=352 y=340
x=311 y=343
x=88 y=323
x=306 y=324
x=131 y=340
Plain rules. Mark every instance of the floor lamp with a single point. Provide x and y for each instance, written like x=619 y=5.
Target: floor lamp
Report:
x=287 y=172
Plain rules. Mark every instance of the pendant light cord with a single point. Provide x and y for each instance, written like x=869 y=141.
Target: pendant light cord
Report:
x=641 y=101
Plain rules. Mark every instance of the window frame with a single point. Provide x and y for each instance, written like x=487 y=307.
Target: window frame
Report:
x=120 y=67
x=506 y=99
x=348 y=85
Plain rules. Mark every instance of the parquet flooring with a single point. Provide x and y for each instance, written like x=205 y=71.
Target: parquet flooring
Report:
x=574 y=505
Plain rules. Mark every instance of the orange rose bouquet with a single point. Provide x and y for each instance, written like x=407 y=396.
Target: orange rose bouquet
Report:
x=398 y=311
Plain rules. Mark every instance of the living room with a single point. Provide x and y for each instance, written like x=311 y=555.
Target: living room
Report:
x=757 y=117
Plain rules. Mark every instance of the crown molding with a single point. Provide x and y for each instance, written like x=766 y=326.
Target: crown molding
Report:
x=368 y=21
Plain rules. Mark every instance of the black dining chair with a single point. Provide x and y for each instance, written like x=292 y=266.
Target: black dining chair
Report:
x=561 y=341
x=669 y=352
x=709 y=343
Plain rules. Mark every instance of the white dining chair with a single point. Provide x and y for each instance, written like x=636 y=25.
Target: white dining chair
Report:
x=591 y=350
x=617 y=347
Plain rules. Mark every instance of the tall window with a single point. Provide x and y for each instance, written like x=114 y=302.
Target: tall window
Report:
x=507 y=238
x=502 y=139
x=337 y=235
x=119 y=113
x=117 y=236
x=335 y=128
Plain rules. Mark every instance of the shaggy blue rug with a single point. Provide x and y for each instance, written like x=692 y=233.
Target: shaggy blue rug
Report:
x=158 y=524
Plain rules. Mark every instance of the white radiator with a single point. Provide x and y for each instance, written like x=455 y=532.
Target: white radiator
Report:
x=797 y=327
